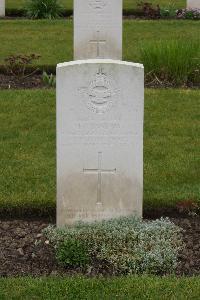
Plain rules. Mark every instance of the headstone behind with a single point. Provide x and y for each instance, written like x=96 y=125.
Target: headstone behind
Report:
x=2 y=8
x=193 y=4
x=99 y=140
x=97 y=29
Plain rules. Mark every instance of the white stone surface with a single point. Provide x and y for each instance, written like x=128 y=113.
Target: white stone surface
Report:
x=2 y=8
x=97 y=29
x=193 y=4
x=100 y=106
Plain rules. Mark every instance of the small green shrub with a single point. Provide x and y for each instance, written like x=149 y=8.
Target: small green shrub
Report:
x=173 y=61
x=125 y=245
x=49 y=80
x=72 y=252
x=168 y=11
x=43 y=9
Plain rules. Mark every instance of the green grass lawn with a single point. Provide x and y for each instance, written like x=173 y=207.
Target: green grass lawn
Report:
x=53 y=39
x=27 y=149
x=128 y=4
x=80 y=288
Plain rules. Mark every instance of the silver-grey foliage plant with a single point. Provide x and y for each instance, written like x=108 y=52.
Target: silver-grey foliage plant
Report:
x=128 y=245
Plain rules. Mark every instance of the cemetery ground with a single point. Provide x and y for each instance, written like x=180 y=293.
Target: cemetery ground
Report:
x=27 y=181
x=39 y=37
x=28 y=175
x=28 y=149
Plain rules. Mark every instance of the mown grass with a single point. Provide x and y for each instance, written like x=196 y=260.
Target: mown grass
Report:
x=53 y=39
x=58 y=288
x=27 y=149
x=128 y=4
x=28 y=157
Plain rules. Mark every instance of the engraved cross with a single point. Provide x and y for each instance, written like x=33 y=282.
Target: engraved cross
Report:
x=99 y=171
x=98 y=42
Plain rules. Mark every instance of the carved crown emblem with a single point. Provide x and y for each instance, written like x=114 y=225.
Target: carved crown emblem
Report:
x=97 y=3
x=100 y=92
x=100 y=88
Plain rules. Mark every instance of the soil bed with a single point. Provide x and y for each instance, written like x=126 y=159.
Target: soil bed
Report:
x=24 y=251
x=12 y=82
x=70 y=17
x=35 y=82
x=68 y=13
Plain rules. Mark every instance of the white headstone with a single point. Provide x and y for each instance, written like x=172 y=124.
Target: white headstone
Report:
x=97 y=29
x=2 y=8
x=193 y=4
x=100 y=107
